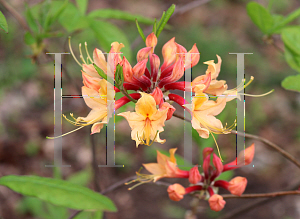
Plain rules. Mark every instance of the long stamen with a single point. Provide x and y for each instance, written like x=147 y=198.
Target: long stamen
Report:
x=65 y=133
x=259 y=95
x=73 y=53
x=87 y=52
x=81 y=56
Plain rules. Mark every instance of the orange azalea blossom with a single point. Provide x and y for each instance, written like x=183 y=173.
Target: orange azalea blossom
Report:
x=147 y=122
x=98 y=59
x=206 y=182
x=97 y=101
x=215 y=87
x=203 y=115
x=166 y=167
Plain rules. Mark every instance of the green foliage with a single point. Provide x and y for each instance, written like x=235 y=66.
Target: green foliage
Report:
x=277 y=24
x=140 y=30
x=260 y=17
x=118 y=14
x=82 y=6
x=164 y=19
x=3 y=23
x=292 y=83
x=58 y=192
x=106 y=33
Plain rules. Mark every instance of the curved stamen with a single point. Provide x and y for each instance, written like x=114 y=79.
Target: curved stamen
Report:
x=71 y=50
x=87 y=52
x=81 y=56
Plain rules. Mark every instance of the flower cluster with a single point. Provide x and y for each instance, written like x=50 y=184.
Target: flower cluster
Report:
x=150 y=88
x=203 y=185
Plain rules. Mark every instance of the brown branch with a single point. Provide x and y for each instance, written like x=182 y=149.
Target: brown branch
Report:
x=264 y=195
x=16 y=14
x=250 y=206
x=270 y=144
x=261 y=139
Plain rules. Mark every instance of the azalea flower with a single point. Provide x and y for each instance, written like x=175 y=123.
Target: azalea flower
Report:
x=203 y=115
x=166 y=167
x=207 y=182
x=147 y=122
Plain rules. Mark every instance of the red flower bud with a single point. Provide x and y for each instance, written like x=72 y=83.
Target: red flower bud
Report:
x=237 y=185
x=216 y=202
x=176 y=192
x=194 y=176
x=151 y=41
x=157 y=94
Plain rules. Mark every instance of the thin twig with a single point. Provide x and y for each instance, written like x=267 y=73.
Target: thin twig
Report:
x=264 y=195
x=250 y=206
x=261 y=139
x=16 y=14
x=270 y=144
x=117 y=185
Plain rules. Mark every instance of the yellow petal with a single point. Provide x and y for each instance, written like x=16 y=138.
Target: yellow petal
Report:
x=216 y=87
x=154 y=168
x=146 y=105
x=92 y=98
x=199 y=100
x=172 y=155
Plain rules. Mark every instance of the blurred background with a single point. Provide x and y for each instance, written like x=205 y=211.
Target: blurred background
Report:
x=217 y=27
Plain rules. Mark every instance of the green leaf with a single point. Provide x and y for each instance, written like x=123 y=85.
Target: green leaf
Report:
x=260 y=17
x=292 y=83
x=292 y=59
x=89 y=215
x=163 y=21
x=140 y=30
x=31 y=20
x=100 y=71
x=118 y=14
x=291 y=38
x=107 y=33
x=3 y=23
x=81 y=178
x=58 y=192
x=28 y=38
x=82 y=6
x=285 y=20
x=54 y=15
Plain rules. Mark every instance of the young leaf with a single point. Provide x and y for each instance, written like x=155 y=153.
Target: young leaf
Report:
x=154 y=27
x=3 y=23
x=118 y=14
x=31 y=20
x=160 y=21
x=292 y=59
x=58 y=192
x=106 y=33
x=28 y=38
x=292 y=83
x=163 y=21
x=100 y=71
x=140 y=30
x=82 y=6
x=289 y=18
x=260 y=17
x=291 y=38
